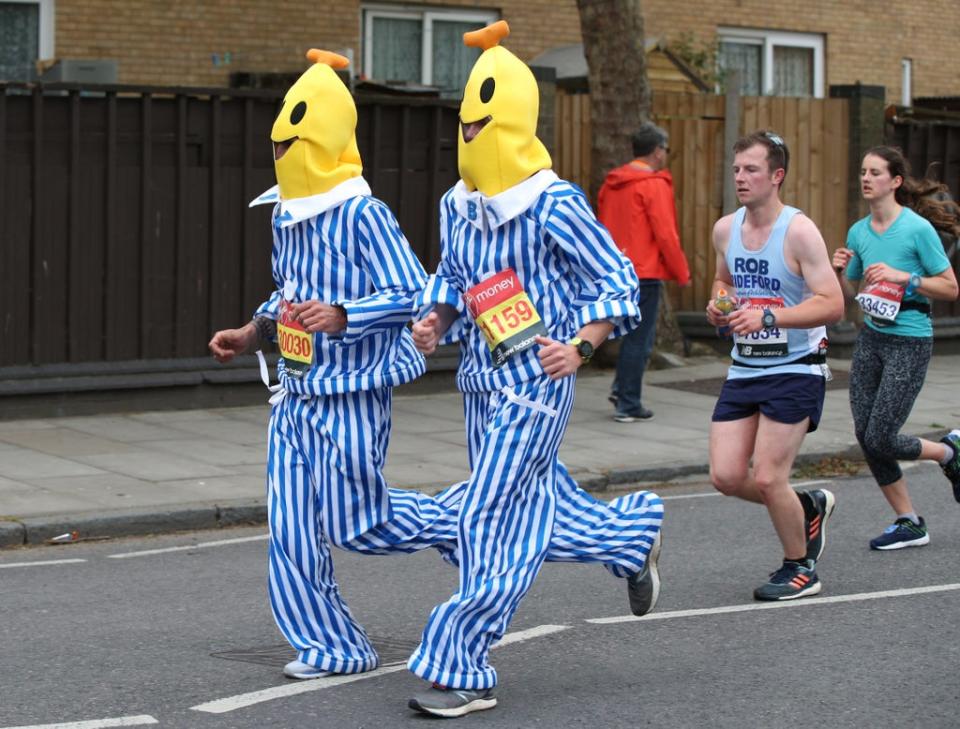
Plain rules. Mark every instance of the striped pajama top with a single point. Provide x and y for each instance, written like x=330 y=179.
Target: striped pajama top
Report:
x=345 y=248
x=545 y=230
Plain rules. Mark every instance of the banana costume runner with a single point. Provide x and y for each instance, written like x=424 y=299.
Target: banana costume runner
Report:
x=521 y=255
x=328 y=433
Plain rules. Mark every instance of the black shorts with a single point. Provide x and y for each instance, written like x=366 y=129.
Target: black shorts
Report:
x=787 y=398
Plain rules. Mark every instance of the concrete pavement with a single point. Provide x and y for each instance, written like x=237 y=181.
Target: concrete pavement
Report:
x=141 y=473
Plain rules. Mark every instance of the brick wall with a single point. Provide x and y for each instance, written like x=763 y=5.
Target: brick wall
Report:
x=174 y=42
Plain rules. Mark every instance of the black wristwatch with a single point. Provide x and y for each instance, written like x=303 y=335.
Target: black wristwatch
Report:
x=584 y=348
x=768 y=320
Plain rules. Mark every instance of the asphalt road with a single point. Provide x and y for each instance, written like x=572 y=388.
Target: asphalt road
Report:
x=91 y=638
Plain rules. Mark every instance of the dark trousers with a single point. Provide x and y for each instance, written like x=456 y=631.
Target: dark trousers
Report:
x=635 y=349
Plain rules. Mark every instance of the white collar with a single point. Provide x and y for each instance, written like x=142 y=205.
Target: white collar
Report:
x=492 y=212
x=301 y=208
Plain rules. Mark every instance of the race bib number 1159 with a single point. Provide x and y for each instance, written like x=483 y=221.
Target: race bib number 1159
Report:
x=505 y=315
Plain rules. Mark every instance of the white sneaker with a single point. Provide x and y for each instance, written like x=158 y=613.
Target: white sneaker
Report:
x=303 y=671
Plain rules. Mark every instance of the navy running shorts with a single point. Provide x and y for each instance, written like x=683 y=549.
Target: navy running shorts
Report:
x=787 y=398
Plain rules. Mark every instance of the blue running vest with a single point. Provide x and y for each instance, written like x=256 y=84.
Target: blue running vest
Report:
x=762 y=279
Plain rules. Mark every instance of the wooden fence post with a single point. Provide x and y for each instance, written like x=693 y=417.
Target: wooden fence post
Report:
x=731 y=132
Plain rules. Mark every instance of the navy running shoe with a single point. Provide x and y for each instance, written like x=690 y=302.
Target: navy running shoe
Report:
x=902 y=533
x=791 y=581
x=818 y=507
x=952 y=469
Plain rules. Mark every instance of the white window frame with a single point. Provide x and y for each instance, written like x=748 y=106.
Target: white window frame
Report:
x=46 y=21
x=770 y=38
x=426 y=16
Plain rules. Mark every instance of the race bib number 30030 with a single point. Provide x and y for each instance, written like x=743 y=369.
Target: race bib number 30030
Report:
x=505 y=315
x=296 y=344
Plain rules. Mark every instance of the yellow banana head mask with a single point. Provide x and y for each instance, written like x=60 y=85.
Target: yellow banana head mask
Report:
x=497 y=145
x=314 y=141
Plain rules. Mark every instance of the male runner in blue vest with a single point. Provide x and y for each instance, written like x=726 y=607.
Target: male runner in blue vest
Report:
x=775 y=259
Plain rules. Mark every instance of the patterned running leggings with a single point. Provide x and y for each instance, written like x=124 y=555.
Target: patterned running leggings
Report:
x=885 y=378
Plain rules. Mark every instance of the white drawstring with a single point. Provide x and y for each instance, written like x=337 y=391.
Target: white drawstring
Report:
x=278 y=390
x=528 y=403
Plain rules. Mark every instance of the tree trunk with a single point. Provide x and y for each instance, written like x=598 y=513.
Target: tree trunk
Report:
x=613 y=44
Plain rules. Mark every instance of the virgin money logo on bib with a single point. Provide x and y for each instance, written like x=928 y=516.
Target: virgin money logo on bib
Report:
x=506 y=316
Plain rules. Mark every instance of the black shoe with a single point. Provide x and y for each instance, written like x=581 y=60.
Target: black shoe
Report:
x=613 y=399
x=952 y=469
x=640 y=415
x=791 y=581
x=818 y=507
x=451 y=703
x=643 y=588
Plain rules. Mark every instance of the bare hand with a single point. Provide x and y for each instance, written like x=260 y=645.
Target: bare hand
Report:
x=228 y=343
x=716 y=317
x=745 y=321
x=841 y=257
x=878 y=272
x=558 y=359
x=426 y=334
x=317 y=316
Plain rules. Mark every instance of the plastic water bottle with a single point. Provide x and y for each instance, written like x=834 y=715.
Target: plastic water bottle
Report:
x=725 y=303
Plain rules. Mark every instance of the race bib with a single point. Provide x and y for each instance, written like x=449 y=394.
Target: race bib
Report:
x=767 y=342
x=881 y=302
x=296 y=344
x=505 y=315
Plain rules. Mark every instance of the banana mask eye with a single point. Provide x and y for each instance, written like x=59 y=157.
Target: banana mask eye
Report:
x=299 y=111
x=486 y=89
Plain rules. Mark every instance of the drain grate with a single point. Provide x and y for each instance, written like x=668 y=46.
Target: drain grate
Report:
x=391 y=650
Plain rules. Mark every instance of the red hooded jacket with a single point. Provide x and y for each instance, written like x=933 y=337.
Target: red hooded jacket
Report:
x=636 y=206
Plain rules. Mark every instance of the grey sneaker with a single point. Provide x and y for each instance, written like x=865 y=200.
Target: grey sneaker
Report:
x=643 y=588
x=637 y=417
x=303 y=671
x=451 y=703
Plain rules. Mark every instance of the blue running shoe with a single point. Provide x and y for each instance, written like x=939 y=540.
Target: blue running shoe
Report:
x=952 y=469
x=902 y=533
x=791 y=581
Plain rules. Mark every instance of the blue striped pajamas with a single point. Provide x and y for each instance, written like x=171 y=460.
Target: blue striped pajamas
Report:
x=520 y=506
x=326 y=488
x=329 y=429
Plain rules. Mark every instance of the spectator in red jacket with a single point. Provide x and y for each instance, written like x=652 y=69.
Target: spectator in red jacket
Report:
x=636 y=205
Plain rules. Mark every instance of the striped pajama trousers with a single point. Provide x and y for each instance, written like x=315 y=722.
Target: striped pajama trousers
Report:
x=326 y=487
x=520 y=508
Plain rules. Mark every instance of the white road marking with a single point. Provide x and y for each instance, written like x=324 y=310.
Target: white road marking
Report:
x=522 y=635
x=40 y=564
x=801 y=485
x=805 y=602
x=185 y=548
x=95 y=723
x=240 y=701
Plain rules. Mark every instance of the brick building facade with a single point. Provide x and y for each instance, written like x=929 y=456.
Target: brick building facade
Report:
x=201 y=43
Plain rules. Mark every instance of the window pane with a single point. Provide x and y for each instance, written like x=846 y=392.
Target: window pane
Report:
x=396 y=49
x=792 y=71
x=452 y=60
x=19 y=40
x=745 y=58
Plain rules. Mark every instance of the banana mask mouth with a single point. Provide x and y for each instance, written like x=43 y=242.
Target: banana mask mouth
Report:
x=472 y=129
x=280 y=148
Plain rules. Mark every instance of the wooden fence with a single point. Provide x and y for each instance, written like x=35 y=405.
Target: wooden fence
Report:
x=815 y=131
x=124 y=227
